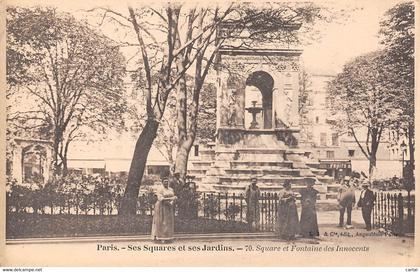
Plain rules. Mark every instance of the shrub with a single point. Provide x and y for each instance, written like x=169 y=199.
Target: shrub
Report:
x=232 y=211
x=145 y=202
x=211 y=206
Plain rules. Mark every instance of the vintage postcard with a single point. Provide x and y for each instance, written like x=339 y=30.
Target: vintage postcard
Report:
x=194 y=133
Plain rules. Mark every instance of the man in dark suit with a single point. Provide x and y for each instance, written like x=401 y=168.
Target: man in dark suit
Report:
x=366 y=202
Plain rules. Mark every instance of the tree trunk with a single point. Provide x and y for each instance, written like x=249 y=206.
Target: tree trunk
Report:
x=56 y=154
x=55 y=159
x=137 y=167
x=372 y=166
x=65 y=168
x=181 y=159
x=63 y=157
x=182 y=154
x=171 y=160
x=375 y=137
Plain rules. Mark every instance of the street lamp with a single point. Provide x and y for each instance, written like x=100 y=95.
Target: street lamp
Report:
x=403 y=150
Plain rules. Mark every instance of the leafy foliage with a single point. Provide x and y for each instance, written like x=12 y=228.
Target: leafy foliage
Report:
x=362 y=100
x=211 y=205
x=397 y=35
x=71 y=75
x=71 y=194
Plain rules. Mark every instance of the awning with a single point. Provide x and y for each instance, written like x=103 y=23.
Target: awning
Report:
x=122 y=165
x=331 y=164
x=80 y=163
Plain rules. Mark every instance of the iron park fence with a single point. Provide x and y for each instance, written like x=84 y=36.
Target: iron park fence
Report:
x=394 y=212
x=216 y=206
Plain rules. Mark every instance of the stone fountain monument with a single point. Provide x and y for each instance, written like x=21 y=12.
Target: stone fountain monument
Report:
x=257 y=123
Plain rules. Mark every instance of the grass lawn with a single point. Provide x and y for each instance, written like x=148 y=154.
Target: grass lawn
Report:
x=27 y=225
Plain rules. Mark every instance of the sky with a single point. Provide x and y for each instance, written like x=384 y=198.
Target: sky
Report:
x=339 y=43
x=342 y=42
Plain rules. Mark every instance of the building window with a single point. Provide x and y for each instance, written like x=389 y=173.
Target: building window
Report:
x=196 y=150
x=349 y=134
x=330 y=154
x=351 y=152
x=323 y=139
x=317 y=119
x=334 y=139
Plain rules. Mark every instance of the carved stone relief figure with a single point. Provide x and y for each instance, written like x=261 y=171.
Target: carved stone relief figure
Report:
x=232 y=107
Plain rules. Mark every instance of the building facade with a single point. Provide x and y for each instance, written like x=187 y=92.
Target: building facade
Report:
x=340 y=150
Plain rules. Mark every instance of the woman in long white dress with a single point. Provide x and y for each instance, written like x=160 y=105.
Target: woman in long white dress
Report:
x=164 y=217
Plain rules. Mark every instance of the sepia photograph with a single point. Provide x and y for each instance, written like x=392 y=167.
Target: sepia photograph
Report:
x=196 y=133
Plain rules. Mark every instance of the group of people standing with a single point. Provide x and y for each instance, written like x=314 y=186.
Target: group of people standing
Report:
x=288 y=224
x=347 y=200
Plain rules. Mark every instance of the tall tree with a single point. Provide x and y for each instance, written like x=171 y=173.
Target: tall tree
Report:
x=71 y=76
x=173 y=40
x=397 y=35
x=362 y=102
x=156 y=31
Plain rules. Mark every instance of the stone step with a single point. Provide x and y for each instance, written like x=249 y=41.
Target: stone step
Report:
x=207 y=154
x=333 y=188
x=201 y=162
x=326 y=179
x=331 y=195
x=259 y=157
x=264 y=172
x=196 y=171
x=313 y=164
x=318 y=171
x=283 y=164
x=241 y=188
x=261 y=150
x=263 y=181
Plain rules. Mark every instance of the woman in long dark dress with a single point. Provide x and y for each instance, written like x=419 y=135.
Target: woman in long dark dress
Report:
x=288 y=221
x=252 y=198
x=308 y=218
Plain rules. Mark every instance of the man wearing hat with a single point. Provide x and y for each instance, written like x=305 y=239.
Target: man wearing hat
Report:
x=346 y=200
x=252 y=198
x=366 y=202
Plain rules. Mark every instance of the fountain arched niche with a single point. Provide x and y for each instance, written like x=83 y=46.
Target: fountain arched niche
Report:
x=34 y=163
x=259 y=88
